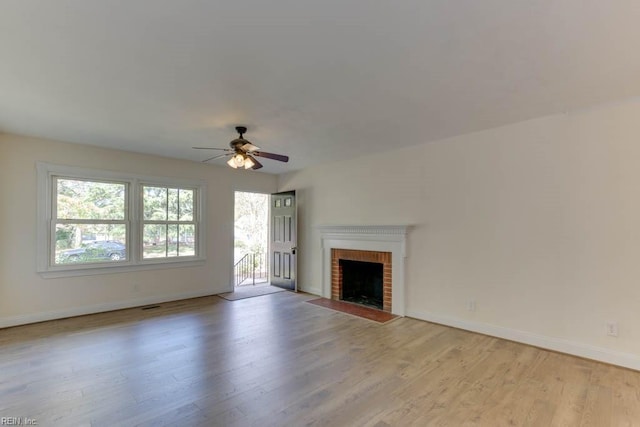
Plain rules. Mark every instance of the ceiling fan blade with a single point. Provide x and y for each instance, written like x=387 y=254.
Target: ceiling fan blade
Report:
x=256 y=163
x=216 y=157
x=249 y=148
x=210 y=148
x=271 y=156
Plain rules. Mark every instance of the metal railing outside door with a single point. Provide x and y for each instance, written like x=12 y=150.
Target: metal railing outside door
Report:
x=252 y=268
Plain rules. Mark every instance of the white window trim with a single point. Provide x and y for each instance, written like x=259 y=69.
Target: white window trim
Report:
x=45 y=174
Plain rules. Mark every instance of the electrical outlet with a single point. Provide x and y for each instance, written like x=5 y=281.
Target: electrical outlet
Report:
x=471 y=305
x=612 y=329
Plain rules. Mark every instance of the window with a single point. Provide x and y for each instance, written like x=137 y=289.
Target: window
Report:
x=94 y=221
x=90 y=221
x=169 y=226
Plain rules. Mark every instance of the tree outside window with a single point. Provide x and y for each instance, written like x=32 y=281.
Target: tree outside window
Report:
x=90 y=221
x=96 y=221
x=169 y=223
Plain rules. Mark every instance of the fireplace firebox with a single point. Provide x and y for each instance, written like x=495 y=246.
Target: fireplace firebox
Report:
x=362 y=282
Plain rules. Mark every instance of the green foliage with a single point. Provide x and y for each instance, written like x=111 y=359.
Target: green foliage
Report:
x=104 y=202
x=251 y=222
x=168 y=204
x=64 y=237
x=77 y=199
x=89 y=200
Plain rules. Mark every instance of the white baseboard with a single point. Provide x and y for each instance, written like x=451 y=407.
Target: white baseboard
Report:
x=6 y=322
x=627 y=360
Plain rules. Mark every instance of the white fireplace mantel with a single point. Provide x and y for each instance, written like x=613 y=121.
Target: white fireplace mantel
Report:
x=382 y=238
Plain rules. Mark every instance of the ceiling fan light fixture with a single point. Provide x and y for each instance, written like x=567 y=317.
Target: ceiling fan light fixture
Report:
x=239 y=160
x=248 y=163
x=232 y=162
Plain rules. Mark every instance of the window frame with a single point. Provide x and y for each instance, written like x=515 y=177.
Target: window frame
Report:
x=47 y=197
x=166 y=222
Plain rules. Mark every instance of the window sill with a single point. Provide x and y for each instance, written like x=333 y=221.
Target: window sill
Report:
x=91 y=270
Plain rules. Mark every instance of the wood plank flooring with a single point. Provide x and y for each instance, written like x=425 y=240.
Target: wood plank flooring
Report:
x=277 y=361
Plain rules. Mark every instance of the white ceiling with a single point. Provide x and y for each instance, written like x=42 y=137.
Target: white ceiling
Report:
x=317 y=80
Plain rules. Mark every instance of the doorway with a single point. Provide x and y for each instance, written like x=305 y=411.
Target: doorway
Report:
x=251 y=240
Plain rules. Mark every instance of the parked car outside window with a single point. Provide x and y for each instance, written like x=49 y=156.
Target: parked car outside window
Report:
x=95 y=251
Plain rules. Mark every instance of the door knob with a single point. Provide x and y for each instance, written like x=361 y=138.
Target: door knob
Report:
x=294 y=249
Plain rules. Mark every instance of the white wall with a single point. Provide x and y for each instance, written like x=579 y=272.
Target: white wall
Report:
x=537 y=222
x=26 y=297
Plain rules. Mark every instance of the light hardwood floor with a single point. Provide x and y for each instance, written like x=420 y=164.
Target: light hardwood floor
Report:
x=277 y=361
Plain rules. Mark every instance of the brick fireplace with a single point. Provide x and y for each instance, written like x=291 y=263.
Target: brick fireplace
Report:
x=385 y=244
x=383 y=258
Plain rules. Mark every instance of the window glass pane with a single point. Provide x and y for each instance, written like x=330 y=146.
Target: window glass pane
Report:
x=172 y=241
x=155 y=203
x=78 y=199
x=90 y=243
x=173 y=204
x=154 y=241
x=168 y=205
x=187 y=239
x=91 y=220
x=186 y=205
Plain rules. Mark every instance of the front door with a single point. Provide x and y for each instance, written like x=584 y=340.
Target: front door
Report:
x=283 y=240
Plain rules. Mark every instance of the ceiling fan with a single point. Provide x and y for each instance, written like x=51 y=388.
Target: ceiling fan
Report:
x=243 y=153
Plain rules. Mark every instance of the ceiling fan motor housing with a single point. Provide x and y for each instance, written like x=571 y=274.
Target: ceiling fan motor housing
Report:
x=240 y=141
x=237 y=143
